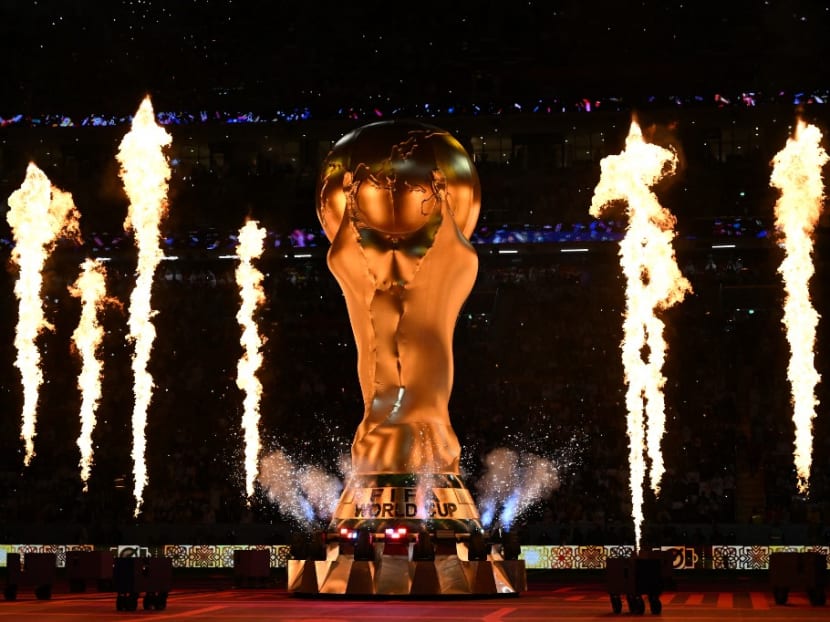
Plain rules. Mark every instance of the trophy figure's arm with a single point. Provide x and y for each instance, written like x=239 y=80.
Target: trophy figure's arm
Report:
x=403 y=301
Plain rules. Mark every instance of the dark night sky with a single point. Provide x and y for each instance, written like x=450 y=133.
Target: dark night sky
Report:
x=104 y=55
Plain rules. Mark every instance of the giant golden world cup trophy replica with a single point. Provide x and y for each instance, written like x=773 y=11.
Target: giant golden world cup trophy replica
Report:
x=398 y=201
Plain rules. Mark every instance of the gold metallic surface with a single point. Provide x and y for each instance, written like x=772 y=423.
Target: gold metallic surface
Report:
x=396 y=505
x=398 y=201
x=446 y=575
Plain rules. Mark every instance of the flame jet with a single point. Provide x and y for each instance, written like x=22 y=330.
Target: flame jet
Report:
x=145 y=172
x=653 y=281
x=797 y=173
x=39 y=213
x=90 y=287
x=249 y=280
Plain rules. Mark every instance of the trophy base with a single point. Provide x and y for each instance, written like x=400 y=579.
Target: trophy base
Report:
x=377 y=502
x=401 y=576
x=406 y=535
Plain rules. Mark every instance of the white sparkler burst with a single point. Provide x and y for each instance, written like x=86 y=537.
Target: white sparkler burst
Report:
x=305 y=493
x=512 y=483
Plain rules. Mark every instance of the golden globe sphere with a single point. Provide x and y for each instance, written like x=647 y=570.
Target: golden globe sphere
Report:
x=397 y=174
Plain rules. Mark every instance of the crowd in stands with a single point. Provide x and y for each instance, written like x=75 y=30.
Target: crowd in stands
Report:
x=536 y=358
x=378 y=110
x=537 y=364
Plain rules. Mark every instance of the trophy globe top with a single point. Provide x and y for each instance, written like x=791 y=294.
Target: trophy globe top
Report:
x=396 y=174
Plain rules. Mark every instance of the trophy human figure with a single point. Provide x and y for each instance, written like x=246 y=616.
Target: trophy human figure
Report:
x=398 y=201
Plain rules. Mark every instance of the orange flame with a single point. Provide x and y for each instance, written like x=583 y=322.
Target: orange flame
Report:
x=249 y=279
x=797 y=173
x=145 y=172
x=90 y=287
x=653 y=282
x=38 y=214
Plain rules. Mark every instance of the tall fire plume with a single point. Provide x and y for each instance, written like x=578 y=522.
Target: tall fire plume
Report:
x=38 y=214
x=797 y=174
x=653 y=282
x=145 y=172
x=249 y=280
x=91 y=288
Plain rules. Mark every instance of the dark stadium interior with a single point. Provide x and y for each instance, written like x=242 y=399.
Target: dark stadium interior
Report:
x=538 y=93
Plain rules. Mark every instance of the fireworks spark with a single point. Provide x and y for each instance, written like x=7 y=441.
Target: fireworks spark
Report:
x=145 y=172
x=653 y=282
x=39 y=213
x=797 y=173
x=513 y=483
x=90 y=287
x=249 y=280
x=305 y=493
